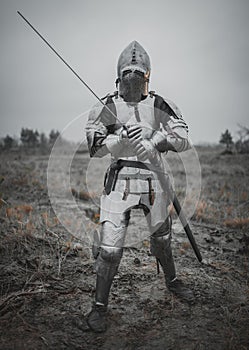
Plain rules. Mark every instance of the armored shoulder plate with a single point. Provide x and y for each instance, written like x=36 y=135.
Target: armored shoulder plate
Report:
x=166 y=106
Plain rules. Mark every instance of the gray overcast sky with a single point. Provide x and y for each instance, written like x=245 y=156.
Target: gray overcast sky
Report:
x=199 y=52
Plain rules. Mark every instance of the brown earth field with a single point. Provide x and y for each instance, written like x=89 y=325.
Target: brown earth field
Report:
x=47 y=279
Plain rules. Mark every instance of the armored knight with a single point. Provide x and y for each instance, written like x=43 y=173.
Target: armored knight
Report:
x=136 y=127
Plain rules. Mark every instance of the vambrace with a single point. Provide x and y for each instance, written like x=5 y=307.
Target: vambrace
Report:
x=95 y=139
x=177 y=135
x=177 y=143
x=100 y=143
x=170 y=142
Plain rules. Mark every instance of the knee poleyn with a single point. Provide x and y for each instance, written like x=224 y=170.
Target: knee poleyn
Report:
x=108 y=261
x=111 y=254
x=160 y=244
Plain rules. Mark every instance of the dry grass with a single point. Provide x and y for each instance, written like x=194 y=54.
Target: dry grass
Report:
x=45 y=276
x=19 y=211
x=204 y=211
x=83 y=195
x=237 y=223
x=24 y=219
x=184 y=246
x=228 y=215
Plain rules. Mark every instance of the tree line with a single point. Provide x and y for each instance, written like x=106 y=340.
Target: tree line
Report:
x=242 y=143
x=30 y=138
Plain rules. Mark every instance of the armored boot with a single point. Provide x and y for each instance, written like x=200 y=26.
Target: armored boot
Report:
x=161 y=249
x=106 y=267
x=96 y=319
x=178 y=288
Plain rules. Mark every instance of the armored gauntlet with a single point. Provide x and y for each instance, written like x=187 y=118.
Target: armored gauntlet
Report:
x=159 y=140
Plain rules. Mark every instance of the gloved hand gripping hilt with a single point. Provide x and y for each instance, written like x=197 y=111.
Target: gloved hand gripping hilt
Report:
x=159 y=141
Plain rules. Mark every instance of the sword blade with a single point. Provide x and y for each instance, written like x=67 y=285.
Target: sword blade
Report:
x=186 y=226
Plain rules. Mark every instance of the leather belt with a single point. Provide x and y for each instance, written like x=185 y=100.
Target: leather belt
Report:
x=116 y=166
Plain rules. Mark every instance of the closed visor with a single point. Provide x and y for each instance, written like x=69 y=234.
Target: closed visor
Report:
x=132 y=69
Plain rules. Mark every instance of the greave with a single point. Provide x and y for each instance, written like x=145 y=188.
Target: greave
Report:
x=161 y=249
x=103 y=287
x=106 y=267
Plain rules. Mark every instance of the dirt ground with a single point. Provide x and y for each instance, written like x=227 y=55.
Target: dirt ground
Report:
x=48 y=280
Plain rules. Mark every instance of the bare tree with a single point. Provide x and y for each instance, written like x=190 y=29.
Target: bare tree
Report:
x=242 y=145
